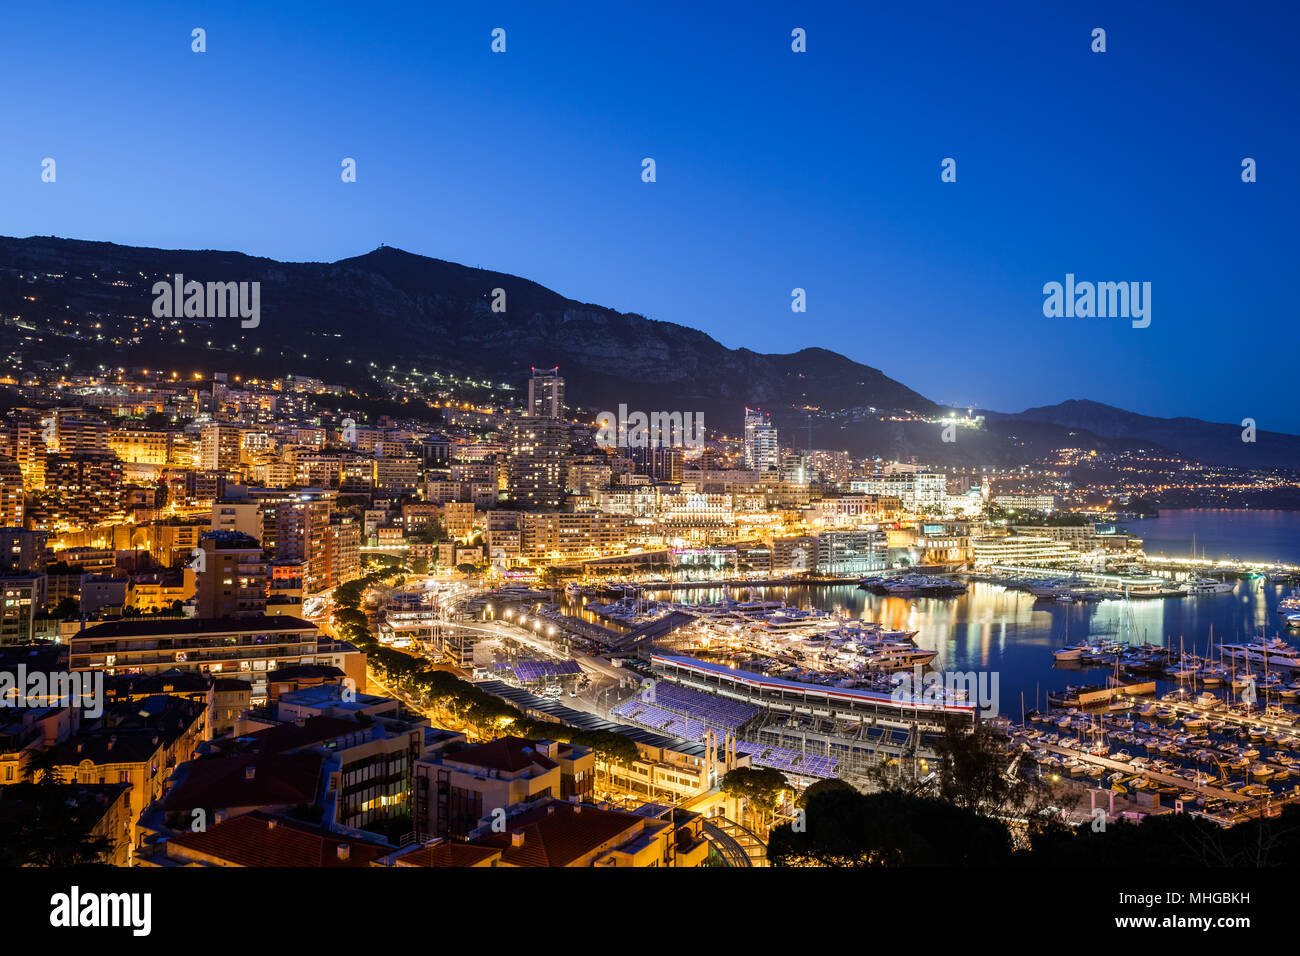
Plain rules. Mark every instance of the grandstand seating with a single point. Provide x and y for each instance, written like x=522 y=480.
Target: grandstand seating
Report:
x=528 y=672
x=720 y=713
x=793 y=761
x=655 y=718
x=688 y=713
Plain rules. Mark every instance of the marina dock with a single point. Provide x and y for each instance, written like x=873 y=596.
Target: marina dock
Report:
x=1208 y=790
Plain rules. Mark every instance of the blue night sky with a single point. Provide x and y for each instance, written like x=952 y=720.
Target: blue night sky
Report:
x=775 y=170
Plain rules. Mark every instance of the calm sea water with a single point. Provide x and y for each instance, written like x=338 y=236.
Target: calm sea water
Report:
x=1267 y=536
x=1008 y=632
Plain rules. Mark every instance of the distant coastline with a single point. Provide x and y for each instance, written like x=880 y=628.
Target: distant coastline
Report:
x=1245 y=534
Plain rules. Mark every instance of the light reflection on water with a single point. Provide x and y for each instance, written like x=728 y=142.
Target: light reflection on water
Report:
x=992 y=628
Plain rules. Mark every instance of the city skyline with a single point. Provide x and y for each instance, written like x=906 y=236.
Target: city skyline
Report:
x=661 y=437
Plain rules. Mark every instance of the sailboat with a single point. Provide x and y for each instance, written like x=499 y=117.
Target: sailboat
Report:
x=1070 y=652
x=1214 y=674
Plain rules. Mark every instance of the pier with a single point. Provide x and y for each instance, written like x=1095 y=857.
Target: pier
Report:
x=1208 y=790
x=1191 y=708
x=1225 y=567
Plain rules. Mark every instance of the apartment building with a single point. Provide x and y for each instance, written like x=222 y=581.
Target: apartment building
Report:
x=137 y=743
x=456 y=788
x=537 y=461
x=13 y=498
x=396 y=475
x=246 y=647
x=555 y=833
x=220 y=446
x=567 y=535
x=459 y=519
x=917 y=491
x=141 y=445
x=231 y=576
x=244 y=517
x=342 y=551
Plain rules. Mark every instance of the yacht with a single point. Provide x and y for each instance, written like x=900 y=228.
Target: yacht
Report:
x=1272 y=652
x=1291 y=603
x=1071 y=652
x=896 y=655
x=1196 y=586
x=912 y=585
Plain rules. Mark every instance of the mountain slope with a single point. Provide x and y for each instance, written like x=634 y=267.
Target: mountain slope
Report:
x=389 y=312
x=1209 y=442
x=392 y=307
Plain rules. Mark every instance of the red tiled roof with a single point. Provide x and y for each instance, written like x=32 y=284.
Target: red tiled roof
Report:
x=509 y=754
x=447 y=854
x=220 y=782
x=252 y=840
x=558 y=833
x=292 y=735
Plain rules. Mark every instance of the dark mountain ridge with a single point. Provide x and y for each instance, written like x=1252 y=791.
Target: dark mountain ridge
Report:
x=1209 y=442
x=391 y=306
x=387 y=312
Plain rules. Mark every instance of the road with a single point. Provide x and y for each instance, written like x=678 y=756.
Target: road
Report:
x=609 y=685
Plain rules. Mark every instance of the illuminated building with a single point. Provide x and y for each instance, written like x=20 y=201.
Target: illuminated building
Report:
x=219 y=446
x=246 y=647
x=244 y=517
x=1043 y=503
x=454 y=790
x=761 y=450
x=78 y=433
x=141 y=446
x=546 y=394
x=342 y=551
x=81 y=490
x=916 y=490
x=572 y=535
x=1020 y=550
x=537 y=463
x=231 y=579
x=400 y=475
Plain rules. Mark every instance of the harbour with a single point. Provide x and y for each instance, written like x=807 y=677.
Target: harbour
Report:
x=1190 y=672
